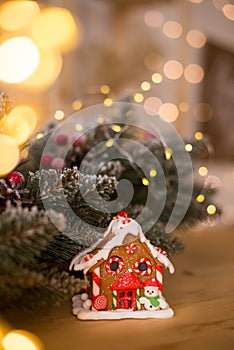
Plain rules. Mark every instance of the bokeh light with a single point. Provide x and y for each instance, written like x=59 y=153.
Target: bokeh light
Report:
x=211 y=209
x=193 y=73
x=203 y=112
x=108 y=102
x=168 y=112
x=168 y=153
x=153 y=18
x=59 y=115
x=77 y=105
x=145 y=181
x=21 y=340
x=153 y=172
x=27 y=113
x=152 y=105
x=9 y=155
x=47 y=72
x=153 y=61
x=198 y=135
x=19 y=58
x=105 y=89
x=200 y=198
x=188 y=147
x=15 y=15
x=55 y=28
x=16 y=127
x=228 y=11
x=203 y=171
x=157 y=78
x=173 y=69
x=196 y=1
x=219 y=4
x=172 y=29
x=183 y=106
x=195 y=38
x=145 y=86
x=138 y=97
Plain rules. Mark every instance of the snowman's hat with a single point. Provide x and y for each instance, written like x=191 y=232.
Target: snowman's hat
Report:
x=152 y=282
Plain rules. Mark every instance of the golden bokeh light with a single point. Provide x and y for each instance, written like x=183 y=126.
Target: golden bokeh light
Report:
x=77 y=105
x=16 y=15
x=21 y=340
x=156 y=78
x=196 y=1
x=138 y=97
x=59 y=115
x=153 y=18
x=9 y=155
x=47 y=72
x=116 y=128
x=172 y=29
x=108 y=102
x=195 y=38
x=145 y=86
x=168 y=153
x=228 y=11
x=153 y=172
x=200 y=198
x=198 y=135
x=145 y=181
x=79 y=127
x=55 y=28
x=19 y=58
x=211 y=209
x=152 y=105
x=153 y=61
x=168 y=112
x=203 y=112
x=105 y=89
x=109 y=143
x=173 y=69
x=203 y=171
x=27 y=113
x=188 y=147
x=194 y=73
x=183 y=106
x=16 y=127
x=101 y=120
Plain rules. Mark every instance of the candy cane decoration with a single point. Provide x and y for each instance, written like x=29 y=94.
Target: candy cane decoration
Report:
x=114 y=301
x=96 y=284
x=159 y=278
x=138 y=305
x=130 y=249
x=118 y=261
x=145 y=272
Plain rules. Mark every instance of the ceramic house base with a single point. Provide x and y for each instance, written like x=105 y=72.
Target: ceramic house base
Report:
x=125 y=274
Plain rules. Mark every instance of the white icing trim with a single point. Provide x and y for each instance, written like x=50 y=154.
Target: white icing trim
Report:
x=120 y=314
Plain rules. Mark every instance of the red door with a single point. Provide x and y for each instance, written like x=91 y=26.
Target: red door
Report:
x=126 y=299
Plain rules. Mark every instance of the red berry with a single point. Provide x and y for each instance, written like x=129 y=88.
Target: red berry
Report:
x=58 y=163
x=79 y=140
x=61 y=139
x=46 y=160
x=16 y=177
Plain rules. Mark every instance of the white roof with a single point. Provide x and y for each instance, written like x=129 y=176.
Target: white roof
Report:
x=114 y=236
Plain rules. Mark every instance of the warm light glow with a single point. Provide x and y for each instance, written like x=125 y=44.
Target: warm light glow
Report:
x=138 y=97
x=183 y=106
x=77 y=105
x=211 y=209
x=39 y=135
x=79 y=127
x=25 y=112
x=15 y=15
x=105 y=89
x=19 y=57
x=188 y=147
x=203 y=112
x=153 y=61
x=55 y=28
x=195 y=38
x=145 y=86
x=200 y=198
x=172 y=29
x=47 y=72
x=152 y=105
x=16 y=127
x=169 y=112
x=21 y=340
x=194 y=73
x=145 y=181
x=101 y=120
x=116 y=128
x=196 y=1
x=9 y=155
x=109 y=143
x=59 y=115
x=228 y=11
x=153 y=172
x=173 y=69
x=203 y=171
x=153 y=19
x=108 y=102
x=198 y=135
x=157 y=78
x=219 y=4
x=168 y=153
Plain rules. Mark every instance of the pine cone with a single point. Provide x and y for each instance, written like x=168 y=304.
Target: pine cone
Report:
x=8 y=194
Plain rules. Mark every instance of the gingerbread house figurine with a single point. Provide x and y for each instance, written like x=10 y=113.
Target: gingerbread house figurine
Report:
x=125 y=274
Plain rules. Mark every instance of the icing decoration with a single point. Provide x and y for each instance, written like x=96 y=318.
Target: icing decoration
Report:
x=122 y=213
x=100 y=302
x=130 y=249
x=143 y=267
x=161 y=251
x=128 y=281
x=96 y=283
x=88 y=257
x=159 y=277
x=114 y=265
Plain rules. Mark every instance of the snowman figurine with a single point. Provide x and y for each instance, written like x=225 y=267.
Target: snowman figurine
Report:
x=152 y=300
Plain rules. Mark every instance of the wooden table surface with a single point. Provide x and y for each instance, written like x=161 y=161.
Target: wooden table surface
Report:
x=201 y=293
